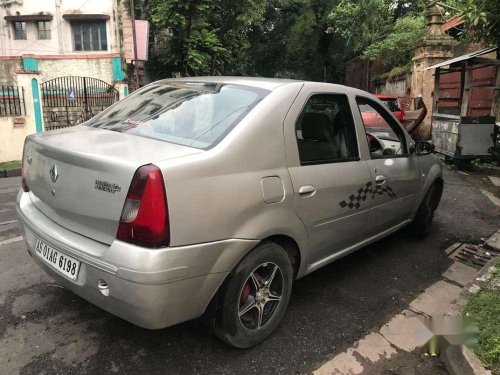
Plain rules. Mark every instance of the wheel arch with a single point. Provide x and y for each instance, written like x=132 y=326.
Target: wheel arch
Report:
x=434 y=177
x=290 y=245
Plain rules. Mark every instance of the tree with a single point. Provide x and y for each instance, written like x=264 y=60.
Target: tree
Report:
x=291 y=41
x=483 y=20
x=385 y=30
x=397 y=47
x=192 y=40
x=206 y=37
x=361 y=23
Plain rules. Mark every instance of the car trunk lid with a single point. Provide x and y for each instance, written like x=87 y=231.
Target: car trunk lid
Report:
x=79 y=177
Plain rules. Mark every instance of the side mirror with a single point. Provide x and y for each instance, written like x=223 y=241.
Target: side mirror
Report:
x=424 y=148
x=389 y=151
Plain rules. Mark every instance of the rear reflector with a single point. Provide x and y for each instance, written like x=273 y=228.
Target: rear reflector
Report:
x=24 y=184
x=144 y=219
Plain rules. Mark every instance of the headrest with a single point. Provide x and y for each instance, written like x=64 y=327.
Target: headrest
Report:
x=315 y=126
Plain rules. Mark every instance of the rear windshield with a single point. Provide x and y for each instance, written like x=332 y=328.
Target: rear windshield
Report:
x=392 y=104
x=190 y=114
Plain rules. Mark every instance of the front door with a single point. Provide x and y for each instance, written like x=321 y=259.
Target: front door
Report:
x=331 y=183
x=395 y=171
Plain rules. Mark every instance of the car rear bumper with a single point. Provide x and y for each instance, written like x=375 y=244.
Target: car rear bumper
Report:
x=152 y=288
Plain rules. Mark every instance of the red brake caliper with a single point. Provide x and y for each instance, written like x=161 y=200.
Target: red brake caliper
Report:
x=246 y=290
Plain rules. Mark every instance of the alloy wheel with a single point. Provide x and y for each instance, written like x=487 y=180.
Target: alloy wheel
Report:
x=260 y=296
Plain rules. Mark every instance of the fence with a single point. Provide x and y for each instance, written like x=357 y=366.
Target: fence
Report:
x=11 y=101
x=71 y=100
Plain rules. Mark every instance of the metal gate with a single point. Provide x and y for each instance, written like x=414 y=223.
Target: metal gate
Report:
x=69 y=101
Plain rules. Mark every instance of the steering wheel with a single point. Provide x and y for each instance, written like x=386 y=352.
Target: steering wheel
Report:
x=374 y=143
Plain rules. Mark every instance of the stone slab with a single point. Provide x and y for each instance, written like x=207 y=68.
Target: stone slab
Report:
x=491 y=197
x=460 y=273
x=343 y=364
x=374 y=347
x=364 y=352
x=494 y=240
x=494 y=180
x=406 y=332
x=434 y=301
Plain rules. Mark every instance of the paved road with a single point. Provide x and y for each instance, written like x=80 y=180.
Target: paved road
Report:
x=46 y=329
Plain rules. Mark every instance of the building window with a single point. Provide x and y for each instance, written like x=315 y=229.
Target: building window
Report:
x=20 y=30
x=43 y=30
x=90 y=36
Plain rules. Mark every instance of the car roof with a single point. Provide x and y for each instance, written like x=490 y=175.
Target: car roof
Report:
x=260 y=82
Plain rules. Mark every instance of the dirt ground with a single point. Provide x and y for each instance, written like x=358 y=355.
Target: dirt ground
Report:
x=403 y=363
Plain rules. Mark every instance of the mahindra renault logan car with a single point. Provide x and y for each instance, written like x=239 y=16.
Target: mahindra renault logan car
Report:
x=210 y=196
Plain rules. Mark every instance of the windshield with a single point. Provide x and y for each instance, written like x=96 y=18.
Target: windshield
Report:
x=190 y=114
x=392 y=104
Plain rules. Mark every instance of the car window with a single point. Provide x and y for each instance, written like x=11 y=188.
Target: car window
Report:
x=190 y=114
x=325 y=130
x=385 y=137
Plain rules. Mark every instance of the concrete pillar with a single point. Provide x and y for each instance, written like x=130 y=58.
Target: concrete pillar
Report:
x=122 y=90
x=30 y=81
x=434 y=48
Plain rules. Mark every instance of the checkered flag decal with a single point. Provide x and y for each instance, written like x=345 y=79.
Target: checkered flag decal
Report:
x=380 y=190
x=354 y=200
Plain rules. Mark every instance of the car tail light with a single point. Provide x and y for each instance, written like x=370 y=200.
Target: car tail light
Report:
x=144 y=219
x=24 y=184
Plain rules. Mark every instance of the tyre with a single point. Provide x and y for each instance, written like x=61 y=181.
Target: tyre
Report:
x=422 y=223
x=254 y=297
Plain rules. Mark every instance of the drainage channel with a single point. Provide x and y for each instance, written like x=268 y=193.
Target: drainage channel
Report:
x=476 y=256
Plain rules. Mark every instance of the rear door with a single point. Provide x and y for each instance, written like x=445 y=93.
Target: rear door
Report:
x=395 y=172
x=331 y=183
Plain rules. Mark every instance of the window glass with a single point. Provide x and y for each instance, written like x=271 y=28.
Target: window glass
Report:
x=325 y=130
x=190 y=114
x=385 y=137
x=90 y=36
x=43 y=30
x=20 y=30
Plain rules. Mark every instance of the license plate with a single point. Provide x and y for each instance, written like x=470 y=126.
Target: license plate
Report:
x=63 y=263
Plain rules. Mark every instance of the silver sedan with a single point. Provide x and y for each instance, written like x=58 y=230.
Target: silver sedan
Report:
x=209 y=196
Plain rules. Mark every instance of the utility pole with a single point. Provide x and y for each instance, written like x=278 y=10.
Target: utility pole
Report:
x=134 y=41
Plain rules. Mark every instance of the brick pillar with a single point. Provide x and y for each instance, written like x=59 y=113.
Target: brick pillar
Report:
x=434 y=48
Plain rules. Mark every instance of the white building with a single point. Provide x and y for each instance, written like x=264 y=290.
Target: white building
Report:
x=61 y=62
x=61 y=38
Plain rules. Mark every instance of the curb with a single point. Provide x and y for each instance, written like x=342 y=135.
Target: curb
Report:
x=460 y=360
x=10 y=172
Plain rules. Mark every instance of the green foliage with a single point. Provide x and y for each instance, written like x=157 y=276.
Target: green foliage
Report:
x=483 y=19
x=205 y=36
x=291 y=41
x=397 y=47
x=361 y=23
x=304 y=39
x=485 y=309
x=388 y=30
x=393 y=73
x=8 y=165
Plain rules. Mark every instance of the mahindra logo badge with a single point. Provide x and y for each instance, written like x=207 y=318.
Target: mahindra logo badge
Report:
x=53 y=173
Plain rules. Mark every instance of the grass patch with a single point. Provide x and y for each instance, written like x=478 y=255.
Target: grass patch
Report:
x=484 y=308
x=8 y=165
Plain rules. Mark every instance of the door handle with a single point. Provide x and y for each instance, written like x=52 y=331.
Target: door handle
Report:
x=307 y=190
x=380 y=179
